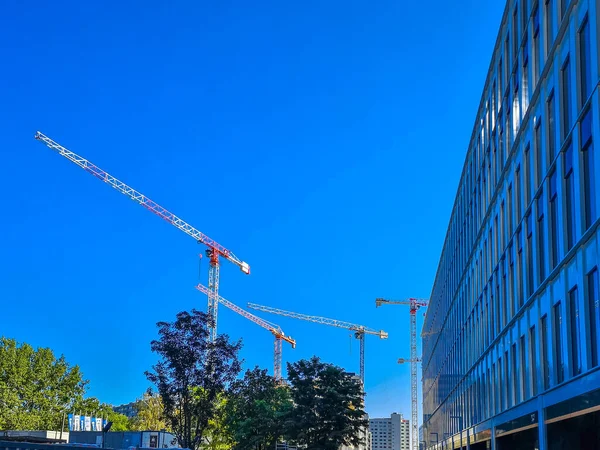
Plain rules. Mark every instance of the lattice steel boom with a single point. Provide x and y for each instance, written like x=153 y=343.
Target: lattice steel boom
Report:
x=359 y=330
x=415 y=304
x=214 y=251
x=273 y=328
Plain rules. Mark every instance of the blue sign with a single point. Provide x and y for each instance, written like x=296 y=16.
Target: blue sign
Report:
x=74 y=422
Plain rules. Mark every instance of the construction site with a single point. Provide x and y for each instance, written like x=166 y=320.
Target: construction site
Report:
x=216 y=253
x=398 y=242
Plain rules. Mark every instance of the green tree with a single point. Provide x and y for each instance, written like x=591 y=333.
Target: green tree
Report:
x=217 y=435
x=256 y=410
x=328 y=406
x=191 y=374
x=36 y=388
x=149 y=413
x=120 y=422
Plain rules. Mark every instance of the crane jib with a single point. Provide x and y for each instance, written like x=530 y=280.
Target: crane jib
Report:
x=273 y=328
x=150 y=205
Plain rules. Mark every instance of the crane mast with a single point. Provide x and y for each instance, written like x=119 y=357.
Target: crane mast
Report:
x=214 y=251
x=273 y=328
x=414 y=304
x=359 y=330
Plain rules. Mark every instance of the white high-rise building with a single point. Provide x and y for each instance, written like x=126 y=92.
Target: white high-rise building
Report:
x=390 y=433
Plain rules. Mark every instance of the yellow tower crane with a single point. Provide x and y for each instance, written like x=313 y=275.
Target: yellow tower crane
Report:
x=273 y=328
x=359 y=330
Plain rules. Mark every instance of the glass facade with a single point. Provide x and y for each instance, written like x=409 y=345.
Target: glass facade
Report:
x=511 y=335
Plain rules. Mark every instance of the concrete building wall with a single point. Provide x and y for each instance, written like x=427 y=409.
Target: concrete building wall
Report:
x=391 y=433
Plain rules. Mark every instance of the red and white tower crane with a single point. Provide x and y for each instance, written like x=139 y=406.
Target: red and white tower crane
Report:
x=214 y=250
x=273 y=328
x=414 y=304
x=359 y=330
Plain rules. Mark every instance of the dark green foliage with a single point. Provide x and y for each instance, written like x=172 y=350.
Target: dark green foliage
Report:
x=328 y=406
x=256 y=411
x=192 y=374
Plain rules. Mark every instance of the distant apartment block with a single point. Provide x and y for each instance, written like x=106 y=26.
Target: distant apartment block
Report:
x=390 y=433
x=127 y=409
x=511 y=339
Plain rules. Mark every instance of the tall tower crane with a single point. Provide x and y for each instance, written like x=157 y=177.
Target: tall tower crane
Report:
x=359 y=330
x=214 y=250
x=275 y=329
x=414 y=304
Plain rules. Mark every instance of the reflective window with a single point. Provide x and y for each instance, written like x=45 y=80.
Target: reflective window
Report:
x=497 y=306
x=553 y=220
x=532 y=361
x=544 y=345
x=551 y=127
x=509 y=199
x=522 y=369
x=593 y=314
x=585 y=62
x=506 y=382
x=495 y=389
x=588 y=169
x=557 y=333
x=536 y=46
x=549 y=25
x=565 y=76
x=575 y=332
x=518 y=192
x=516 y=378
x=537 y=142
x=525 y=78
x=569 y=195
x=529 y=266
x=515 y=28
x=527 y=175
x=540 y=238
x=511 y=284
x=520 y=275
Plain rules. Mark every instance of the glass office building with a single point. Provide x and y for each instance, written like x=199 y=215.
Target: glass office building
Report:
x=511 y=339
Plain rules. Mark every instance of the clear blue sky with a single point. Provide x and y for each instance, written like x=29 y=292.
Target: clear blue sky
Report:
x=322 y=142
